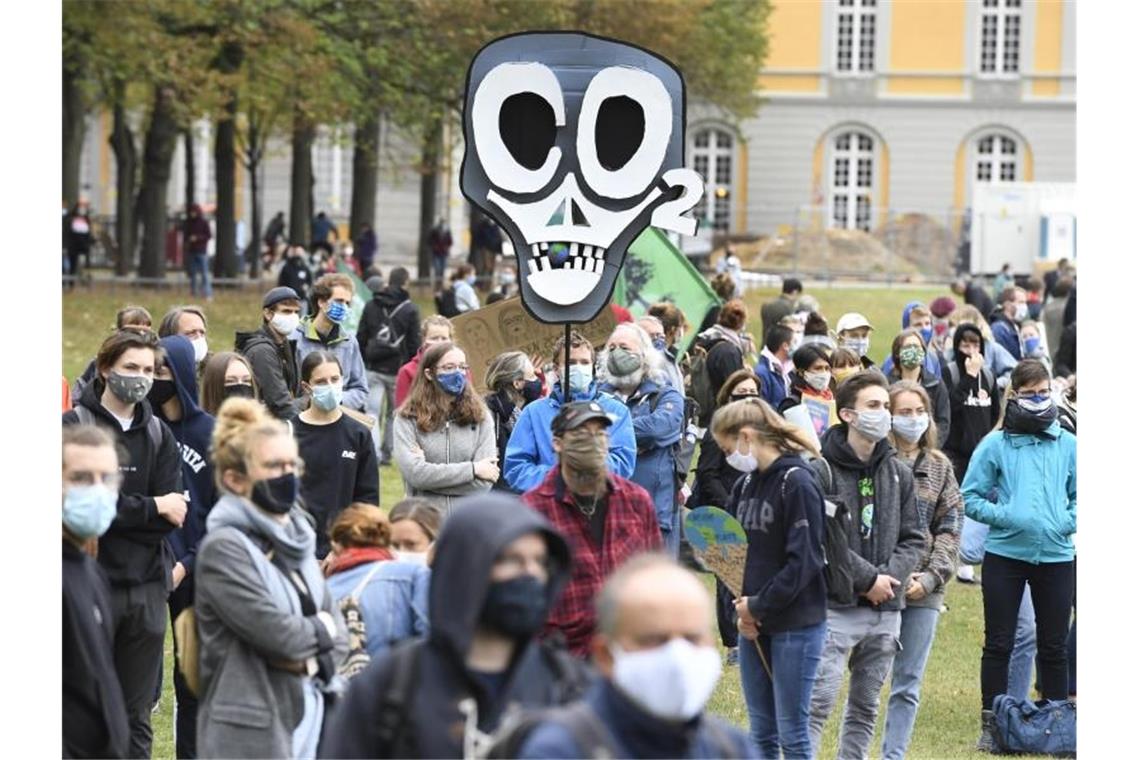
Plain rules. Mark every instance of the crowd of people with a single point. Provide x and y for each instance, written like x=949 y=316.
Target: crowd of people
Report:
x=532 y=594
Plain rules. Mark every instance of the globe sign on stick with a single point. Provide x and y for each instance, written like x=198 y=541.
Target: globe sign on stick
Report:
x=719 y=543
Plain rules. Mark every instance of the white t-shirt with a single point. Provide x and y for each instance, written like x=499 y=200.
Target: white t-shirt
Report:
x=124 y=423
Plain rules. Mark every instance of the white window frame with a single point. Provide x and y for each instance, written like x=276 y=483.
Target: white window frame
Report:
x=858 y=10
x=1001 y=11
x=705 y=212
x=995 y=158
x=847 y=186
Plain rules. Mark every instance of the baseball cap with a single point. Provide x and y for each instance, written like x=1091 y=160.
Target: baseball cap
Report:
x=576 y=414
x=375 y=283
x=851 y=321
x=277 y=295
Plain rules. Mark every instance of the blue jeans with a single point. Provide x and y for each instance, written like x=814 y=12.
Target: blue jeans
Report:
x=779 y=708
x=916 y=636
x=200 y=265
x=971 y=551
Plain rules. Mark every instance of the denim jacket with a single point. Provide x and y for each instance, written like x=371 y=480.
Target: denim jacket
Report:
x=393 y=604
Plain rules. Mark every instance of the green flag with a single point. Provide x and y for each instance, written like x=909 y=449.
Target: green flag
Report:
x=655 y=270
x=360 y=296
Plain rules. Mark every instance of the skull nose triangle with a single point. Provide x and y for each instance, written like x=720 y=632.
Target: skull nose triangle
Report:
x=556 y=219
x=577 y=217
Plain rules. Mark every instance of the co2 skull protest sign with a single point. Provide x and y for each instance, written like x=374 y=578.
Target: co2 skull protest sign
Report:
x=574 y=145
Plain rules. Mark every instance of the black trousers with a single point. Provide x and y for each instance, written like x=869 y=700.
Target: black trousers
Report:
x=1051 y=585
x=186 y=704
x=140 y=630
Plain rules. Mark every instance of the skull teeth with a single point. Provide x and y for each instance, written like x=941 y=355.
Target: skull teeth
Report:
x=581 y=257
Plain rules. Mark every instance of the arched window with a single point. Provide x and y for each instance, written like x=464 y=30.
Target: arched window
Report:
x=996 y=158
x=712 y=159
x=852 y=180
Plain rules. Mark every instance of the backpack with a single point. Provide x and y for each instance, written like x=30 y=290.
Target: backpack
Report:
x=386 y=343
x=446 y=304
x=358 y=657
x=704 y=395
x=837 y=571
x=1037 y=728
x=153 y=425
x=684 y=448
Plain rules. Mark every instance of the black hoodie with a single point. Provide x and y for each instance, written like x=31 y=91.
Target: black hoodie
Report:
x=974 y=405
x=133 y=551
x=479 y=528
x=405 y=321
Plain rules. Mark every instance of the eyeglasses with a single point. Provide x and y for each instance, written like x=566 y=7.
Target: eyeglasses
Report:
x=284 y=466
x=111 y=480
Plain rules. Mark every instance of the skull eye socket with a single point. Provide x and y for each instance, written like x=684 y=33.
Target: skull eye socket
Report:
x=619 y=131
x=526 y=124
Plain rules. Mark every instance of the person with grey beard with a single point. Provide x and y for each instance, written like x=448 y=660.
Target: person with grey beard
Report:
x=635 y=373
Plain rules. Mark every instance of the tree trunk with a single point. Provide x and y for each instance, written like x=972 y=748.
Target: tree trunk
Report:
x=161 y=138
x=188 y=145
x=365 y=173
x=253 y=163
x=301 y=181
x=225 y=164
x=429 y=183
x=74 y=130
x=126 y=171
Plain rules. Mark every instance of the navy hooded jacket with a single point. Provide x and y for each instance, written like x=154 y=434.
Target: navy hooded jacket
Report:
x=193 y=432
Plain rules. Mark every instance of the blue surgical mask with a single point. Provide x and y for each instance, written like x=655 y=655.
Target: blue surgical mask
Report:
x=89 y=510
x=1031 y=345
x=580 y=378
x=336 y=312
x=659 y=343
x=328 y=397
x=452 y=383
x=927 y=334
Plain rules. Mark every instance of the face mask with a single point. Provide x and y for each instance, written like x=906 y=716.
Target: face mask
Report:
x=844 y=373
x=1020 y=312
x=797 y=341
x=516 y=607
x=622 y=362
x=1031 y=345
x=532 y=390
x=818 y=380
x=276 y=495
x=580 y=378
x=585 y=455
x=452 y=383
x=412 y=558
x=130 y=389
x=659 y=343
x=911 y=356
x=1029 y=415
x=672 y=682
x=507 y=279
x=927 y=334
x=336 y=312
x=161 y=391
x=200 y=349
x=237 y=390
x=1034 y=404
x=470 y=280
x=873 y=424
x=741 y=461
x=285 y=324
x=910 y=428
x=859 y=345
x=89 y=510
x=328 y=397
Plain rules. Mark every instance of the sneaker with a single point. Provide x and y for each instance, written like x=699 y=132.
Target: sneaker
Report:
x=966 y=574
x=733 y=657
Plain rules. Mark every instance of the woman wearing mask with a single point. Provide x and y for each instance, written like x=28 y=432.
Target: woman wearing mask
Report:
x=811 y=387
x=226 y=375
x=415 y=525
x=844 y=364
x=1032 y=347
x=435 y=329
x=512 y=384
x=939 y=504
x=463 y=283
x=340 y=461
x=908 y=359
x=783 y=609
x=444 y=434
x=712 y=487
x=392 y=596
x=270 y=634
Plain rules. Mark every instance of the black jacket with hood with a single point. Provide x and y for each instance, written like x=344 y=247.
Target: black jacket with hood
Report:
x=974 y=404
x=276 y=368
x=431 y=723
x=133 y=550
x=405 y=317
x=193 y=432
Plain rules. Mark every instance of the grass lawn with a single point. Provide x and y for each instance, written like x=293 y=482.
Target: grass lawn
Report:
x=948 y=717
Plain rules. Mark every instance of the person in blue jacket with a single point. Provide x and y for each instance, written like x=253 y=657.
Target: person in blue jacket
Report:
x=1006 y=319
x=918 y=316
x=1030 y=463
x=174 y=399
x=634 y=372
x=770 y=369
x=530 y=449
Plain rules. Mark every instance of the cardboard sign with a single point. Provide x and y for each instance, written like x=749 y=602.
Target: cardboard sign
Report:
x=485 y=333
x=720 y=544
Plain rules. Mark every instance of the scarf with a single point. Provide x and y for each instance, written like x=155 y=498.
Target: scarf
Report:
x=355 y=556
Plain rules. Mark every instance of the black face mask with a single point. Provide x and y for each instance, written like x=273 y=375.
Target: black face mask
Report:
x=276 y=495
x=1021 y=420
x=239 y=390
x=161 y=391
x=532 y=390
x=515 y=608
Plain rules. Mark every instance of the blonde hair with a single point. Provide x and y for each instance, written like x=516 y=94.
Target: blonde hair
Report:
x=756 y=414
x=929 y=440
x=970 y=314
x=241 y=424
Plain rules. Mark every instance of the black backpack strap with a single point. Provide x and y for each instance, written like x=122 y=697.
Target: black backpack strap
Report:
x=84 y=415
x=720 y=738
x=590 y=734
x=393 y=716
x=154 y=433
x=571 y=676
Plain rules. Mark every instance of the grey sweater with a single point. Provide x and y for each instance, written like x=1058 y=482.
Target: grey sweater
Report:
x=440 y=465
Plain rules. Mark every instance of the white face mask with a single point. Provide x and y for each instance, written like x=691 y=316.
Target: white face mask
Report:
x=412 y=558
x=672 y=682
x=285 y=324
x=742 y=461
x=818 y=380
x=200 y=349
x=859 y=345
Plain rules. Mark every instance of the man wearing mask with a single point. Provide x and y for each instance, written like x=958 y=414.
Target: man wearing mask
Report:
x=530 y=450
x=655 y=653
x=854 y=332
x=94 y=714
x=1006 y=320
x=634 y=372
x=605 y=518
x=189 y=322
x=272 y=352
x=150 y=505
x=498 y=568
x=773 y=359
x=884 y=544
x=332 y=295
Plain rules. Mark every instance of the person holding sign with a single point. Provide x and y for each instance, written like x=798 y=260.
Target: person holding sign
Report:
x=784 y=603
x=811 y=387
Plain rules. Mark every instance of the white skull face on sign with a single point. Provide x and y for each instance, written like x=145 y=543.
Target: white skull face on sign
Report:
x=574 y=146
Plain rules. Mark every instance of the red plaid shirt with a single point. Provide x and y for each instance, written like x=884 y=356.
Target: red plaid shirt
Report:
x=630 y=529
